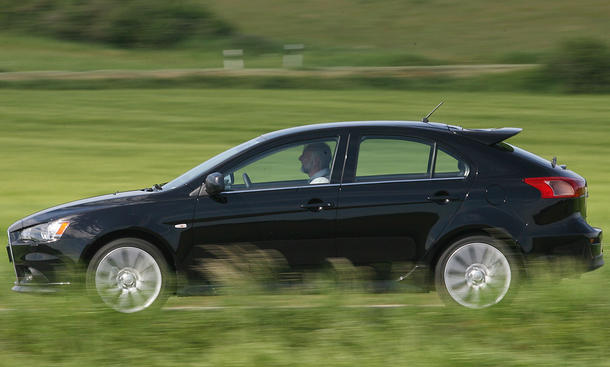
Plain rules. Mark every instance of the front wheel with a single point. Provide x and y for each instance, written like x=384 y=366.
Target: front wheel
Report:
x=476 y=272
x=129 y=275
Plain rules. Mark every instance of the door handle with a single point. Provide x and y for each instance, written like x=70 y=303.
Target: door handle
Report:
x=317 y=206
x=442 y=199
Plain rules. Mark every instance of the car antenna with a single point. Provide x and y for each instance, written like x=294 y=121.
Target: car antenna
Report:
x=425 y=119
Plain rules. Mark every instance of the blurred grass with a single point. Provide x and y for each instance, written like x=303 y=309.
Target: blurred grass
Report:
x=470 y=31
x=342 y=33
x=369 y=32
x=33 y=53
x=535 y=79
x=57 y=146
x=27 y=53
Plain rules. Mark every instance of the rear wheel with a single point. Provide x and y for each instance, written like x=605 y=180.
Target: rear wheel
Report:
x=476 y=272
x=129 y=275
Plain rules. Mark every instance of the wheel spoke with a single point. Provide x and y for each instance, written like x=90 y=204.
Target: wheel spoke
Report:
x=112 y=262
x=459 y=285
x=148 y=268
x=474 y=296
x=138 y=298
x=108 y=289
x=107 y=267
x=486 y=255
x=479 y=253
x=497 y=261
x=123 y=299
x=472 y=254
x=137 y=261
x=112 y=291
x=125 y=258
x=495 y=285
x=456 y=273
x=462 y=261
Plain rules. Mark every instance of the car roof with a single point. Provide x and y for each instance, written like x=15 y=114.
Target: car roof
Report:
x=484 y=136
x=351 y=124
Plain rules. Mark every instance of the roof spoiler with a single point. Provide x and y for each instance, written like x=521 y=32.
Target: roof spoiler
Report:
x=490 y=136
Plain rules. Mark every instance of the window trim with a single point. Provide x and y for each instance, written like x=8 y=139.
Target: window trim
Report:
x=281 y=188
x=432 y=160
x=461 y=178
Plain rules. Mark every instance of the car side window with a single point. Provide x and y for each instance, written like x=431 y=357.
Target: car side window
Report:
x=392 y=158
x=449 y=166
x=305 y=163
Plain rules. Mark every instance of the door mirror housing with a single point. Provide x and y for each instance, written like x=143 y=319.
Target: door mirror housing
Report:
x=214 y=183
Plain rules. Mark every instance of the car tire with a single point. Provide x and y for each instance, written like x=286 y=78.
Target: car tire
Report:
x=476 y=272
x=129 y=275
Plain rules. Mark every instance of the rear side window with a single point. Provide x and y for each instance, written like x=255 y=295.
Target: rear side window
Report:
x=387 y=158
x=448 y=166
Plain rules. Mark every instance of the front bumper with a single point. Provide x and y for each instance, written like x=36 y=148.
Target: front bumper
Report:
x=39 y=268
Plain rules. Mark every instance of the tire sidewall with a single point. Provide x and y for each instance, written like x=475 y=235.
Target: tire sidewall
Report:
x=166 y=279
x=509 y=254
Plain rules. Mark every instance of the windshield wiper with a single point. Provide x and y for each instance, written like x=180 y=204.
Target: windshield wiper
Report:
x=155 y=187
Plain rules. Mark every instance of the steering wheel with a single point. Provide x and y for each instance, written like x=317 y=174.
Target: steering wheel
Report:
x=246 y=180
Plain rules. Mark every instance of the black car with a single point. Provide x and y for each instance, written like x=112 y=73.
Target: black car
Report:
x=463 y=210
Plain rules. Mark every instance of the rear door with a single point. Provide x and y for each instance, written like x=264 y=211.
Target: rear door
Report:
x=398 y=192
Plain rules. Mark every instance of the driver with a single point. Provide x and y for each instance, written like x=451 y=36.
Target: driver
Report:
x=315 y=161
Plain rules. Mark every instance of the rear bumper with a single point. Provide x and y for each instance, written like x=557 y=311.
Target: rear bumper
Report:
x=594 y=252
x=597 y=262
x=571 y=254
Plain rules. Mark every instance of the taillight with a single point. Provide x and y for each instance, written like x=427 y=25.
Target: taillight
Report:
x=558 y=187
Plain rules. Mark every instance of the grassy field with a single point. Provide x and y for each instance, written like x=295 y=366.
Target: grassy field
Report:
x=57 y=146
x=344 y=32
x=475 y=31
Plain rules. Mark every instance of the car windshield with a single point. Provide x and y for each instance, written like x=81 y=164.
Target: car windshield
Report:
x=209 y=164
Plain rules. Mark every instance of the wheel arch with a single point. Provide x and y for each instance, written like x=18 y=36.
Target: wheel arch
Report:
x=436 y=251
x=142 y=234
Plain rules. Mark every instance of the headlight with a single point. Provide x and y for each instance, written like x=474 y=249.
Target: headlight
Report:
x=46 y=232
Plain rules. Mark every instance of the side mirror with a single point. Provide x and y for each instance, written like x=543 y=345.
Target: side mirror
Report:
x=215 y=183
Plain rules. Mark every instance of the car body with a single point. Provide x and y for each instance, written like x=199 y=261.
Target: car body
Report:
x=456 y=209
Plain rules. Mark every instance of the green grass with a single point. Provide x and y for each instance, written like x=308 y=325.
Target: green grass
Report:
x=34 y=53
x=30 y=53
x=344 y=32
x=57 y=146
x=475 y=31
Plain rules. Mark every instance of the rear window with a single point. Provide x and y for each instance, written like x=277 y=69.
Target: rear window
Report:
x=527 y=155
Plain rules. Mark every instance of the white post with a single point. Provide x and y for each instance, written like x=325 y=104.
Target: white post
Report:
x=293 y=56
x=233 y=59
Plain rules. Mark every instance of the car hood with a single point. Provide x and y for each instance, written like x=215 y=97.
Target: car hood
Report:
x=81 y=206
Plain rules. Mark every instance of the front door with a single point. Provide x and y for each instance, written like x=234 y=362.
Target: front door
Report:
x=281 y=200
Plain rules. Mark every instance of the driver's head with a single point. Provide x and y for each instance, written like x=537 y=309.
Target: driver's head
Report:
x=315 y=157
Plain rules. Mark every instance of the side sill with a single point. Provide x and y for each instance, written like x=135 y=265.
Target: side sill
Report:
x=39 y=288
